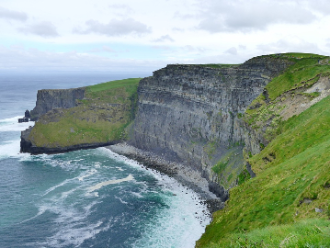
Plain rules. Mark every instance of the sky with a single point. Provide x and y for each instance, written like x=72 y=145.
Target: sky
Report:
x=145 y=35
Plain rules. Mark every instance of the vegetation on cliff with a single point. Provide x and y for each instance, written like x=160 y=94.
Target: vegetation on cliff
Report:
x=287 y=204
x=100 y=117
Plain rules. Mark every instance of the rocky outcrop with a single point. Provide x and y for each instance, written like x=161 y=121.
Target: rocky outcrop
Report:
x=190 y=114
x=53 y=99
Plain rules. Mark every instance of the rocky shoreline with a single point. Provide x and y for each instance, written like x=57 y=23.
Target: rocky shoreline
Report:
x=186 y=176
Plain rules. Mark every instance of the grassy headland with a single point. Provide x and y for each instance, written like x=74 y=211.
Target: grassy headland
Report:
x=102 y=116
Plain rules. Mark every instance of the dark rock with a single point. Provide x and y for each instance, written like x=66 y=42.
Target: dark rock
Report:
x=249 y=169
x=214 y=205
x=27 y=114
x=54 y=99
x=24 y=119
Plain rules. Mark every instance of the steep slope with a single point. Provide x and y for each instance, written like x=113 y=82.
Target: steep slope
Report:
x=287 y=203
x=97 y=119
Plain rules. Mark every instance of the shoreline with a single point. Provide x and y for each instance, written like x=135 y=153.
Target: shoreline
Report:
x=186 y=176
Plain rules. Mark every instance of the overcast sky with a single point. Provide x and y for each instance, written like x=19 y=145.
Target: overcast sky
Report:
x=145 y=35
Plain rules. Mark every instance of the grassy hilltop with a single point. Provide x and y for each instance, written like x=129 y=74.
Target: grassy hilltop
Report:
x=288 y=203
x=102 y=116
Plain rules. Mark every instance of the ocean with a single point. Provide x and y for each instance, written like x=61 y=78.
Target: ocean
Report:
x=84 y=198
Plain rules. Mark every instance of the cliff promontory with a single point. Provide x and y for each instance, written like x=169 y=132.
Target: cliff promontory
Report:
x=93 y=116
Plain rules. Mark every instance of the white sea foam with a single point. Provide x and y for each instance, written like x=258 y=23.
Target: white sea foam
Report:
x=72 y=228
x=12 y=125
x=88 y=174
x=182 y=224
x=11 y=148
x=100 y=185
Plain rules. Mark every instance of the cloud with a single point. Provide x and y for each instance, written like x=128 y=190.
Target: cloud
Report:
x=228 y=16
x=164 y=38
x=43 y=29
x=20 y=59
x=289 y=46
x=114 y=28
x=103 y=49
x=13 y=15
x=182 y=16
x=232 y=51
x=122 y=7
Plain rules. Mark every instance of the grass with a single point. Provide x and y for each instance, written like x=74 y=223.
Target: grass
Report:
x=229 y=167
x=264 y=112
x=101 y=117
x=304 y=73
x=307 y=233
x=290 y=183
x=219 y=65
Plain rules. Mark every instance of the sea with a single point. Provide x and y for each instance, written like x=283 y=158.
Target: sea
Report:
x=84 y=198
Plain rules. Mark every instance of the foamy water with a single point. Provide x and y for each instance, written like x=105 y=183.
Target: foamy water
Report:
x=90 y=198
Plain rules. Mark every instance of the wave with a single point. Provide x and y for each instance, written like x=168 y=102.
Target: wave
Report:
x=11 y=149
x=182 y=223
x=12 y=125
x=100 y=185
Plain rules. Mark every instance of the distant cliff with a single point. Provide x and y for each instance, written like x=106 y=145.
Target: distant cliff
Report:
x=81 y=118
x=53 y=99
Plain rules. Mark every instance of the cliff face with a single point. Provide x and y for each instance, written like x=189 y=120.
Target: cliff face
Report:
x=191 y=114
x=53 y=99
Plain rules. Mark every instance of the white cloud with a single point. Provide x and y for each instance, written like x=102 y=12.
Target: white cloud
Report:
x=232 y=51
x=106 y=49
x=295 y=45
x=115 y=27
x=22 y=59
x=43 y=29
x=231 y=16
x=122 y=8
x=13 y=15
x=164 y=38
x=213 y=31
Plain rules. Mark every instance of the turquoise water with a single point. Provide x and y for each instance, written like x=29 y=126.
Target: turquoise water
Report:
x=88 y=198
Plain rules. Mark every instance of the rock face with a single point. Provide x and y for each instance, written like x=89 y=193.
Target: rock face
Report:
x=190 y=114
x=186 y=114
x=52 y=99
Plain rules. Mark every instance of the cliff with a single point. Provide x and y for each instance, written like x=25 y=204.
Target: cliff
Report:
x=286 y=145
x=98 y=116
x=52 y=99
x=216 y=126
x=190 y=114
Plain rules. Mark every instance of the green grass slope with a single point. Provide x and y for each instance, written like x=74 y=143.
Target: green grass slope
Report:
x=101 y=117
x=288 y=203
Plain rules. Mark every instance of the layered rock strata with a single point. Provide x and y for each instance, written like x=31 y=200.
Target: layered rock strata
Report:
x=190 y=114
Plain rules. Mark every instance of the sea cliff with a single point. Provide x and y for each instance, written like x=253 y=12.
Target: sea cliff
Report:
x=212 y=127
